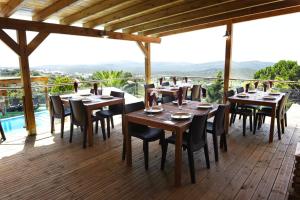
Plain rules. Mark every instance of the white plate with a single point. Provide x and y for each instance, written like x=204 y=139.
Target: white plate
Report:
x=274 y=93
x=184 y=102
x=206 y=106
x=154 y=110
x=181 y=115
x=252 y=91
x=86 y=100
x=269 y=97
x=85 y=95
x=106 y=97
x=242 y=95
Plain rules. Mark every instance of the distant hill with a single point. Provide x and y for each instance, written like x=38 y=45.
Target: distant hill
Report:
x=239 y=69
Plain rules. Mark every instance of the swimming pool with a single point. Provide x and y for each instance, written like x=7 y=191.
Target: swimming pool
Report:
x=18 y=123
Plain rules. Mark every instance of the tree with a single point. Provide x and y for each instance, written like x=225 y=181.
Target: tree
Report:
x=215 y=90
x=112 y=78
x=283 y=70
x=63 y=84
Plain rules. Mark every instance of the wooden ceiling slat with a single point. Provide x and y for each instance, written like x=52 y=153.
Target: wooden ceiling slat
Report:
x=94 y=9
x=16 y=24
x=48 y=11
x=178 y=9
x=10 y=7
x=211 y=11
x=137 y=10
x=276 y=7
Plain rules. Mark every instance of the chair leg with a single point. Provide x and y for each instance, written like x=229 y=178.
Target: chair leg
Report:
x=216 y=150
x=278 y=128
x=108 y=126
x=244 y=124
x=231 y=119
x=102 y=122
x=260 y=119
x=52 y=124
x=96 y=127
x=71 y=132
x=255 y=124
x=285 y=119
x=191 y=165
x=282 y=125
x=206 y=156
x=250 y=122
x=240 y=117
x=112 y=122
x=234 y=117
x=62 y=127
x=2 y=132
x=84 y=137
x=146 y=153
x=164 y=155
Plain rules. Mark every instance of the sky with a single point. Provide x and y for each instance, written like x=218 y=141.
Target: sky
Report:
x=270 y=39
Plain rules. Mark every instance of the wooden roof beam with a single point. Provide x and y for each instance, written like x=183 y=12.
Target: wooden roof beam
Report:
x=139 y=9
x=211 y=11
x=10 y=7
x=268 y=10
x=16 y=24
x=161 y=14
x=53 y=8
x=94 y=9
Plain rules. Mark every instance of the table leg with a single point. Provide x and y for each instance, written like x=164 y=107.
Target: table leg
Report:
x=90 y=128
x=178 y=157
x=273 y=116
x=128 y=143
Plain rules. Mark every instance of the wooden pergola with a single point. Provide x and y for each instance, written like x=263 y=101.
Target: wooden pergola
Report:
x=141 y=21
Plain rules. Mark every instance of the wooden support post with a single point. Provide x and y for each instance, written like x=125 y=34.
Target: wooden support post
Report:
x=25 y=77
x=227 y=69
x=228 y=55
x=147 y=64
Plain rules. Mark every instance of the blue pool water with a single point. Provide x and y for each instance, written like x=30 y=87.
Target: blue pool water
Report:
x=18 y=123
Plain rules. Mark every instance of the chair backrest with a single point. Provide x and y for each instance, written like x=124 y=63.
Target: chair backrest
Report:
x=167 y=98
x=219 y=120
x=230 y=93
x=131 y=108
x=15 y=102
x=240 y=90
x=282 y=104
x=197 y=132
x=134 y=107
x=165 y=83
x=78 y=113
x=117 y=109
x=57 y=105
x=196 y=93
x=99 y=91
x=147 y=86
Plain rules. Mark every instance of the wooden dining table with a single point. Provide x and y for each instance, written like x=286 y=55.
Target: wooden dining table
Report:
x=164 y=121
x=258 y=98
x=95 y=103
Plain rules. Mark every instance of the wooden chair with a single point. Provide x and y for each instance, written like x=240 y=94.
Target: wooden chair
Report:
x=193 y=140
x=165 y=83
x=58 y=110
x=99 y=91
x=279 y=116
x=79 y=118
x=195 y=93
x=167 y=98
x=237 y=110
x=143 y=132
x=2 y=132
x=216 y=128
x=112 y=110
x=240 y=90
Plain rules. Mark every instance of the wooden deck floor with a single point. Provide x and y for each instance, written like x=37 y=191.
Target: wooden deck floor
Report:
x=48 y=167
